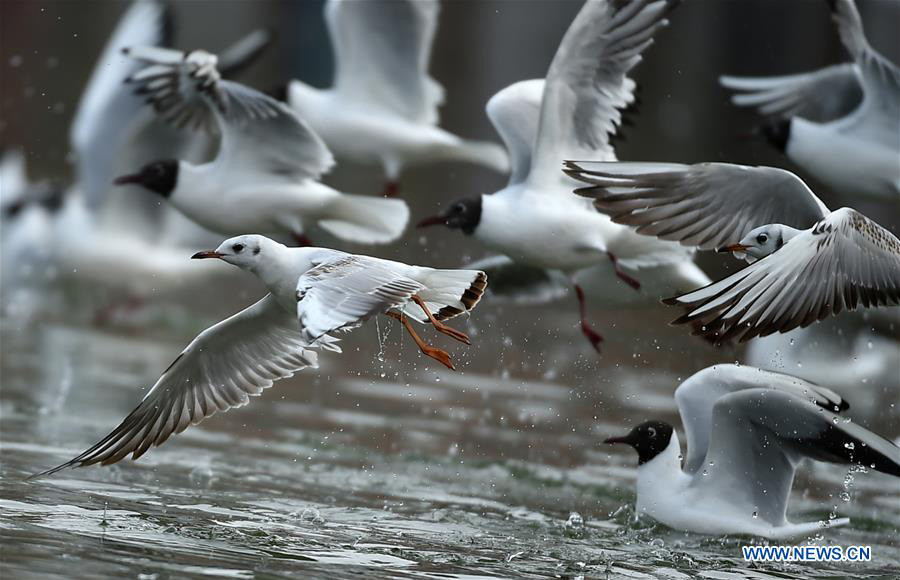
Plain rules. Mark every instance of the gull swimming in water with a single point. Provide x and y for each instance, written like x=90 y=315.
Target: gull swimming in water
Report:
x=535 y=220
x=383 y=106
x=840 y=122
x=312 y=292
x=806 y=262
x=265 y=176
x=746 y=429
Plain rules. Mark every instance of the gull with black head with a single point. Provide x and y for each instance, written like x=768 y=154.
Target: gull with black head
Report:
x=747 y=430
x=265 y=175
x=535 y=220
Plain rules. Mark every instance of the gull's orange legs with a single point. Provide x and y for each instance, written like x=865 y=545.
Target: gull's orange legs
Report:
x=440 y=326
x=430 y=351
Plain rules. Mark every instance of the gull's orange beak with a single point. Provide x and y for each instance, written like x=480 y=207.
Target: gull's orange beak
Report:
x=733 y=248
x=202 y=255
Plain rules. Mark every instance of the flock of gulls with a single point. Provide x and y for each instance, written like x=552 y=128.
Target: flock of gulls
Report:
x=247 y=166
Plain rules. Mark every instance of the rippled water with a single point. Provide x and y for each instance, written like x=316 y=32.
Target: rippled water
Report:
x=380 y=462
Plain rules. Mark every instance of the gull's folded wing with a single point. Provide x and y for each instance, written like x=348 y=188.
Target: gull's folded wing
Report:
x=707 y=205
x=221 y=369
x=344 y=291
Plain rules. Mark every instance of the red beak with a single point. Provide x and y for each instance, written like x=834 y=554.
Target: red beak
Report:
x=733 y=248
x=126 y=179
x=434 y=220
x=202 y=255
x=614 y=440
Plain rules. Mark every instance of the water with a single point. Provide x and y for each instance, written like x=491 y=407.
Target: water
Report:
x=380 y=462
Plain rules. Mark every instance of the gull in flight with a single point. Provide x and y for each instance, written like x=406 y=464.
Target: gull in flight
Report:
x=840 y=122
x=535 y=220
x=312 y=292
x=265 y=176
x=806 y=262
x=746 y=429
x=383 y=106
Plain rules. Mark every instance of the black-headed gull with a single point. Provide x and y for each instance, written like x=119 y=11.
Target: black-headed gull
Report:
x=746 y=429
x=265 y=175
x=806 y=262
x=535 y=220
x=383 y=106
x=312 y=292
x=82 y=233
x=840 y=122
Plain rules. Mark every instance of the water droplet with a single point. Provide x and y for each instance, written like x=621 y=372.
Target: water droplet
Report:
x=574 y=526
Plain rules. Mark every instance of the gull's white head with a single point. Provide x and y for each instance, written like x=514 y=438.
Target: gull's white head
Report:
x=245 y=252
x=761 y=242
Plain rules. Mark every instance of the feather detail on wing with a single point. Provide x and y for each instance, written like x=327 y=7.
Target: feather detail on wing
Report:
x=221 y=369
x=707 y=205
x=259 y=134
x=820 y=96
x=342 y=293
x=586 y=85
x=844 y=261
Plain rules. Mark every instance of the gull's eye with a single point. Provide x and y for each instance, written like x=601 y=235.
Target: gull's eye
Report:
x=459 y=208
x=238 y=248
x=651 y=431
x=762 y=239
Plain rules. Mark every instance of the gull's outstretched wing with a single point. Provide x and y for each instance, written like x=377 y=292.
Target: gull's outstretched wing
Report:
x=773 y=429
x=697 y=395
x=844 y=261
x=707 y=205
x=382 y=49
x=106 y=113
x=343 y=292
x=259 y=134
x=586 y=85
x=820 y=96
x=515 y=112
x=221 y=369
x=876 y=118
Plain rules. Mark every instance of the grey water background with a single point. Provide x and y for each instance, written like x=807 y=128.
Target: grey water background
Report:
x=380 y=462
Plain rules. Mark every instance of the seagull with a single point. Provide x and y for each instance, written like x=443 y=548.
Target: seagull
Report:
x=313 y=292
x=840 y=122
x=806 y=262
x=535 y=220
x=265 y=176
x=746 y=430
x=383 y=106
